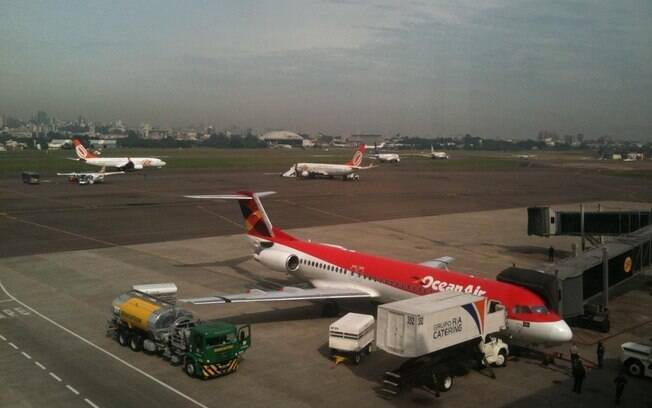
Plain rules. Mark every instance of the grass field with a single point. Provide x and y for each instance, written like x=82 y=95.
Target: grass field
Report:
x=278 y=160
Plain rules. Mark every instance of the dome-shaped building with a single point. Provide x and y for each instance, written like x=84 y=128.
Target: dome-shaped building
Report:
x=282 y=137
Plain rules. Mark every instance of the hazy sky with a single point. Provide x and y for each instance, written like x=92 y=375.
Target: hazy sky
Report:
x=491 y=68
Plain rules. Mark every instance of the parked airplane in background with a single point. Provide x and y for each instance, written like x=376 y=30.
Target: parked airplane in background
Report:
x=345 y=171
x=339 y=273
x=386 y=157
x=438 y=155
x=122 y=163
x=89 y=178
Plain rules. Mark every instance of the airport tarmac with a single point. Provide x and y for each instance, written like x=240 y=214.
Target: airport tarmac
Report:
x=149 y=206
x=54 y=307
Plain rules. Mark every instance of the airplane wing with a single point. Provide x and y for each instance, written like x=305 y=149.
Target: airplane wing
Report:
x=91 y=174
x=285 y=294
x=440 y=263
x=371 y=166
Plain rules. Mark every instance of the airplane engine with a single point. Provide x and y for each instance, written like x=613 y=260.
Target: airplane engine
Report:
x=305 y=173
x=138 y=166
x=278 y=260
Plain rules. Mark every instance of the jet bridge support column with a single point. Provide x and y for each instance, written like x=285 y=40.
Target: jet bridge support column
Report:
x=605 y=278
x=582 y=227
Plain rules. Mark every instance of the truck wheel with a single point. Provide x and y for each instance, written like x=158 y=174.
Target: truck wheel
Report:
x=501 y=358
x=357 y=358
x=123 y=337
x=136 y=343
x=634 y=368
x=190 y=369
x=444 y=381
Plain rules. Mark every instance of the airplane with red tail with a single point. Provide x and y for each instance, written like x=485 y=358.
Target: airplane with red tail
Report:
x=339 y=273
x=346 y=171
x=122 y=163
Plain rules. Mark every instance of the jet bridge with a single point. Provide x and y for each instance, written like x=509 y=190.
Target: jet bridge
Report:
x=545 y=221
x=578 y=288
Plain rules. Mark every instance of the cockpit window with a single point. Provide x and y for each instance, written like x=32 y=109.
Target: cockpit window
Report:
x=539 y=310
x=519 y=309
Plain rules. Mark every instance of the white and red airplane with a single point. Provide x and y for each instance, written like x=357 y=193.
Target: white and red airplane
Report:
x=339 y=273
x=345 y=171
x=122 y=163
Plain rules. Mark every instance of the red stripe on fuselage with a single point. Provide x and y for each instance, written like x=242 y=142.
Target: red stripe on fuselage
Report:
x=412 y=277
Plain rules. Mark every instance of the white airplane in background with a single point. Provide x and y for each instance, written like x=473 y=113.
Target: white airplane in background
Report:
x=384 y=157
x=438 y=155
x=339 y=273
x=345 y=171
x=122 y=163
x=84 y=178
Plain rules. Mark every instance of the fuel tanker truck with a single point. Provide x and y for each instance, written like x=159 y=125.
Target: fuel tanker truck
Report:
x=145 y=322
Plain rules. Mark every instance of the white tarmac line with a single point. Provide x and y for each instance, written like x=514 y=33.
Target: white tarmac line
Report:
x=74 y=391
x=56 y=377
x=6 y=300
x=27 y=356
x=13 y=345
x=39 y=365
x=100 y=349
x=91 y=403
x=3 y=337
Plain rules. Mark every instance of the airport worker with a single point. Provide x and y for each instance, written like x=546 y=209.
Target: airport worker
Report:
x=574 y=353
x=551 y=254
x=579 y=373
x=600 y=353
x=620 y=381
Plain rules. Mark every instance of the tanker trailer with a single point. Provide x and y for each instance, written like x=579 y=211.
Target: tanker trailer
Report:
x=144 y=322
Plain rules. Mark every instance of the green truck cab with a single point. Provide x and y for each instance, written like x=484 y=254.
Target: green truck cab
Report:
x=215 y=349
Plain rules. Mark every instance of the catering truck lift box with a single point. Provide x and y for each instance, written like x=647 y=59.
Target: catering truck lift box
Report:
x=352 y=335
x=437 y=332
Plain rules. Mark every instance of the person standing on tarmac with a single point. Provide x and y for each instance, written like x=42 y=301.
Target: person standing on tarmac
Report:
x=620 y=381
x=600 y=353
x=551 y=254
x=579 y=373
x=574 y=353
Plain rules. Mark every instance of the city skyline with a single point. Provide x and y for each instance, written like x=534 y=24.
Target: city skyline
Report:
x=497 y=69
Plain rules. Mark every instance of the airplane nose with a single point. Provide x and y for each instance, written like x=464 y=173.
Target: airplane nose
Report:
x=561 y=332
x=162 y=163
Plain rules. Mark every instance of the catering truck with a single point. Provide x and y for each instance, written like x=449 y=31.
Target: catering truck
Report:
x=142 y=321
x=438 y=333
x=353 y=335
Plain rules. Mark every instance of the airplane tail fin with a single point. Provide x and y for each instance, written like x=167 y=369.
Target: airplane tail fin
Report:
x=81 y=151
x=357 y=156
x=255 y=218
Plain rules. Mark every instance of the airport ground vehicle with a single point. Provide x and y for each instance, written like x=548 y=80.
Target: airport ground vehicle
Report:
x=637 y=359
x=30 y=177
x=353 y=335
x=206 y=349
x=440 y=334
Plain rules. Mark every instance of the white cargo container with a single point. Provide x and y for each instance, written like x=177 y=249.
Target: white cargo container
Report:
x=425 y=324
x=354 y=335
